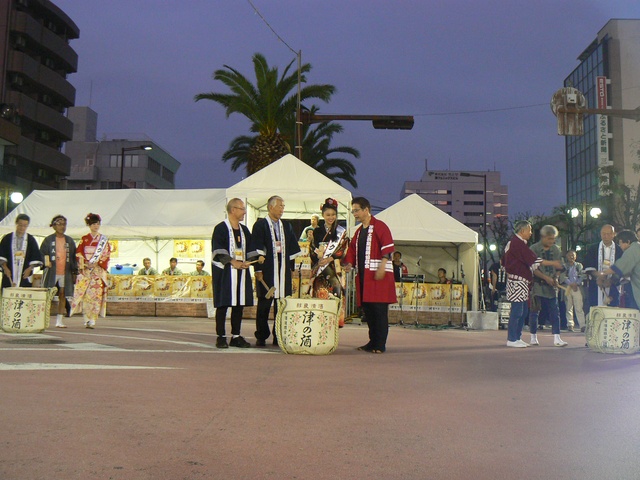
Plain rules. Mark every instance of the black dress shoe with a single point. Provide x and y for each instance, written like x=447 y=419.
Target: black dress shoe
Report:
x=221 y=342
x=365 y=348
x=239 y=342
x=260 y=343
x=275 y=341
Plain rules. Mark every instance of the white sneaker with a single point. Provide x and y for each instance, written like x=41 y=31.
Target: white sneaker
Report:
x=534 y=340
x=516 y=344
x=523 y=343
x=560 y=343
x=60 y=325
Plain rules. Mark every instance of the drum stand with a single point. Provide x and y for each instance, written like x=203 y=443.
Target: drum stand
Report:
x=462 y=296
x=415 y=290
x=401 y=322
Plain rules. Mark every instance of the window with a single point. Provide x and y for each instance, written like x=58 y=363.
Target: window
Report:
x=154 y=166
x=473 y=214
x=130 y=161
x=114 y=185
x=474 y=203
x=473 y=192
x=114 y=160
x=167 y=174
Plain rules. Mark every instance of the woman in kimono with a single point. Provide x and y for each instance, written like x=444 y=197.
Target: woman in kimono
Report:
x=328 y=243
x=59 y=252
x=93 y=260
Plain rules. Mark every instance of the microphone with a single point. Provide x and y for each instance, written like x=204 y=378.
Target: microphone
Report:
x=418 y=262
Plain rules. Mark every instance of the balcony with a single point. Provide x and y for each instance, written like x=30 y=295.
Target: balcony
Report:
x=41 y=155
x=41 y=115
x=46 y=40
x=42 y=76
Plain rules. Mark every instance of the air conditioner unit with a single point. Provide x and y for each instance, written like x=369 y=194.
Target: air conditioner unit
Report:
x=46 y=99
x=17 y=80
x=21 y=42
x=44 y=136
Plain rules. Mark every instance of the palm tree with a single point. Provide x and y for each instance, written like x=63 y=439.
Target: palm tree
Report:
x=316 y=145
x=316 y=150
x=267 y=104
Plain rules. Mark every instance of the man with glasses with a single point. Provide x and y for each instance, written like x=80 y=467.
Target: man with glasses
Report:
x=231 y=275
x=273 y=239
x=370 y=252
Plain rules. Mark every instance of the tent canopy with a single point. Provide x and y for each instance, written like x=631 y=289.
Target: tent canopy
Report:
x=303 y=189
x=126 y=214
x=414 y=220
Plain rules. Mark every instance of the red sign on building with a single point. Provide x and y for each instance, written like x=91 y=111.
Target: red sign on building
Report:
x=601 y=91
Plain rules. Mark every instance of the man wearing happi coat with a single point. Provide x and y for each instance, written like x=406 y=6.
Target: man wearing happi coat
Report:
x=19 y=255
x=273 y=239
x=231 y=274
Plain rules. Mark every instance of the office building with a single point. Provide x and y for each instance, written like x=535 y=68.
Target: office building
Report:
x=35 y=59
x=463 y=196
x=97 y=164
x=607 y=74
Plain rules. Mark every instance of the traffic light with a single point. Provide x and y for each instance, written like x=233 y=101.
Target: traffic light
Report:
x=393 y=123
x=568 y=105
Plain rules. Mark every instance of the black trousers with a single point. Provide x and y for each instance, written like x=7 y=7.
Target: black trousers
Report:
x=262 y=318
x=377 y=315
x=236 y=320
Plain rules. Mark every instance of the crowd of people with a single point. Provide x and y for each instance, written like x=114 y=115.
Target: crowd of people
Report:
x=270 y=247
x=537 y=279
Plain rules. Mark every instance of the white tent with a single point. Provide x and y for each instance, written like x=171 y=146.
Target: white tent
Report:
x=146 y=221
x=420 y=229
x=303 y=189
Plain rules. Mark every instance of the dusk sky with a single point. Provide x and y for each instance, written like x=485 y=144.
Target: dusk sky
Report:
x=142 y=61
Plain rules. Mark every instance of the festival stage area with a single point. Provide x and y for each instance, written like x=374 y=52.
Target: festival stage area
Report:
x=152 y=398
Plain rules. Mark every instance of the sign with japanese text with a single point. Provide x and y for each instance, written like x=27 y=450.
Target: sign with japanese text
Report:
x=307 y=325
x=26 y=310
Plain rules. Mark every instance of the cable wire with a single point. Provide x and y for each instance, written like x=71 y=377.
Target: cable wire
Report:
x=270 y=27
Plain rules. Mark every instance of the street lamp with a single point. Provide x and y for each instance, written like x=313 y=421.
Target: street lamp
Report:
x=586 y=211
x=130 y=149
x=484 y=221
x=15 y=197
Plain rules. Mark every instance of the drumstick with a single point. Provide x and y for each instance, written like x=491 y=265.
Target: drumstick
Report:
x=270 y=291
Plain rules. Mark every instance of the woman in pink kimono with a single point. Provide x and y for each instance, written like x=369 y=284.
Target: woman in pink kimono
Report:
x=93 y=260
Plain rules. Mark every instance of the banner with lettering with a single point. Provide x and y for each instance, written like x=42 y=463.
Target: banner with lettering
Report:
x=430 y=297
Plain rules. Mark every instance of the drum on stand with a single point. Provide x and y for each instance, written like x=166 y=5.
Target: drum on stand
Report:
x=613 y=330
x=308 y=325
x=26 y=310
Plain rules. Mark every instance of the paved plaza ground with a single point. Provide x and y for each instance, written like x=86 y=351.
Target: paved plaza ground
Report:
x=149 y=398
